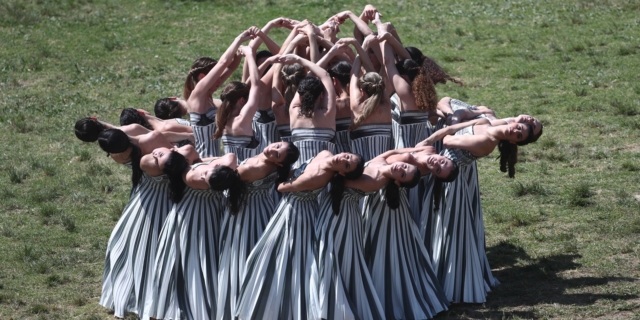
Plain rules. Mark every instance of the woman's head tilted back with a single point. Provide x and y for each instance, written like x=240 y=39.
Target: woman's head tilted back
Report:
x=350 y=166
x=131 y=116
x=232 y=93
x=201 y=66
x=520 y=134
x=309 y=89
x=402 y=175
x=114 y=141
x=174 y=167
x=444 y=170
x=87 y=129
x=168 y=108
x=224 y=178
x=372 y=86
x=283 y=154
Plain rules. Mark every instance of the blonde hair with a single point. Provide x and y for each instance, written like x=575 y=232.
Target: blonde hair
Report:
x=373 y=85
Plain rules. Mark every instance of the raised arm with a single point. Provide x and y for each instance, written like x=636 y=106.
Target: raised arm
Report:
x=401 y=86
x=450 y=130
x=314 y=53
x=368 y=14
x=386 y=35
x=205 y=85
x=251 y=106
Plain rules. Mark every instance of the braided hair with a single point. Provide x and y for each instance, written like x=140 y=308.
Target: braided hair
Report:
x=166 y=109
x=373 y=85
x=202 y=65
x=341 y=72
x=291 y=76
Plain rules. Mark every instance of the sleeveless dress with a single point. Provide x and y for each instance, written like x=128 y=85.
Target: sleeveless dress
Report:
x=185 y=279
x=281 y=273
x=238 y=236
x=398 y=261
x=118 y=288
x=244 y=147
x=371 y=140
x=265 y=128
x=284 y=130
x=346 y=288
x=456 y=233
x=311 y=141
x=343 y=143
x=204 y=125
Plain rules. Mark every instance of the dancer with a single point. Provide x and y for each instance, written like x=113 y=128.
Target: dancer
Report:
x=398 y=262
x=241 y=231
x=200 y=102
x=281 y=272
x=185 y=278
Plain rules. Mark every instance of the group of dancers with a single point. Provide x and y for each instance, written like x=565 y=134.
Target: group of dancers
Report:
x=330 y=183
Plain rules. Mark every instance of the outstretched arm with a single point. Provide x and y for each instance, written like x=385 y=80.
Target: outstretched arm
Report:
x=450 y=130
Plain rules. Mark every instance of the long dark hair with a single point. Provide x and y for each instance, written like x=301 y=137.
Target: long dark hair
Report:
x=337 y=183
x=392 y=191
x=293 y=153
x=225 y=178
x=437 y=185
x=116 y=141
x=309 y=90
x=342 y=72
x=88 y=129
x=229 y=96
x=174 y=168
x=131 y=115
x=509 y=151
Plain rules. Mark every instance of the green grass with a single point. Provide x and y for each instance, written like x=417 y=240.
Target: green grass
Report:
x=562 y=237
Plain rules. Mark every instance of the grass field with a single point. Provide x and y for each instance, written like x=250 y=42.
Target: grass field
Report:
x=563 y=237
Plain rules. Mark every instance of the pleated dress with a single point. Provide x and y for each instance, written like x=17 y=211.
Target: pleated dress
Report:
x=281 y=276
x=186 y=274
x=239 y=234
x=398 y=261
x=311 y=141
x=118 y=289
x=284 y=130
x=346 y=288
x=457 y=234
x=343 y=141
x=371 y=140
x=265 y=128
x=204 y=125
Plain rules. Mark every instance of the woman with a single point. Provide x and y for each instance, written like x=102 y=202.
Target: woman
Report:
x=235 y=114
x=133 y=241
x=202 y=108
x=312 y=112
x=371 y=112
x=241 y=231
x=185 y=278
x=393 y=249
x=458 y=237
x=281 y=271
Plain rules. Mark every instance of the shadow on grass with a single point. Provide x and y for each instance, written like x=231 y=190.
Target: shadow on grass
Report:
x=527 y=282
